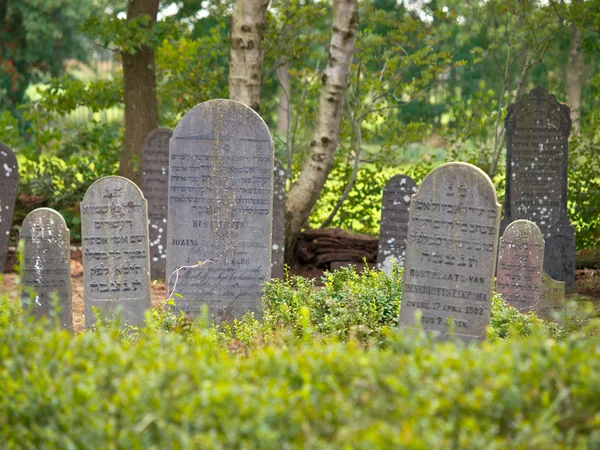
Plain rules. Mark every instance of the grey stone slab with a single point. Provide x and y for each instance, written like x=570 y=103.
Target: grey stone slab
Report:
x=155 y=186
x=278 y=239
x=520 y=265
x=46 y=267
x=220 y=210
x=9 y=181
x=451 y=253
x=552 y=306
x=537 y=130
x=116 y=264
x=395 y=210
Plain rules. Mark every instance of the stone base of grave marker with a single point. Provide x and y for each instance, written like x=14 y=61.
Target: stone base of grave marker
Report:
x=559 y=258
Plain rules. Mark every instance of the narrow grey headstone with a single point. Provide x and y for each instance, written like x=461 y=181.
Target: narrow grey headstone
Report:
x=520 y=265
x=451 y=253
x=220 y=210
x=537 y=130
x=116 y=266
x=46 y=266
x=395 y=209
x=278 y=244
x=9 y=181
x=552 y=306
x=155 y=186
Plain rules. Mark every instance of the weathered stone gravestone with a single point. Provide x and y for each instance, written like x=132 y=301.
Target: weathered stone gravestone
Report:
x=395 y=210
x=552 y=305
x=46 y=266
x=537 y=130
x=278 y=240
x=9 y=180
x=220 y=210
x=520 y=265
x=451 y=253
x=114 y=234
x=155 y=186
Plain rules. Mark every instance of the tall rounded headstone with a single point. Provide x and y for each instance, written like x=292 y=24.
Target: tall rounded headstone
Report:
x=451 y=253
x=9 y=181
x=220 y=210
x=155 y=186
x=552 y=305
x=395 y=210
x=537 y=130
x=46 y=266
x=278 y=241
x=520 y=265
x=116 y=266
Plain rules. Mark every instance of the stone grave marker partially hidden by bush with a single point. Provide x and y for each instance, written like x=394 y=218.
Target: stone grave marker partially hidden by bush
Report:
x=520 y=265
x=395 y=210
x=451 y=253
x=220 y=210
x=114 y=233
x=155 y=186
x=278 y=239
x=9 y=180
x=46 y=266
x=537 y=130
x=552 y=305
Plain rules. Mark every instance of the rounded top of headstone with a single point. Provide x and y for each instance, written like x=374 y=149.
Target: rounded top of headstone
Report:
x=155 y=132
x=222 y=119
x=523 y=229
x=8 y=160
x=459 y=172
x=110 y=181
x=542 y=104
x=46 y=214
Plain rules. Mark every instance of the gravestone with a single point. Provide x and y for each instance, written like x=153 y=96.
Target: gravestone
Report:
x=114 y=234
x=552 y=304
x=220 y=210
x=9 y=180
x=278 y=240
x=155 y=186
x=520 y=265
x=46 y=266
x=395 y=210
x=537 y=130
x=451 y=253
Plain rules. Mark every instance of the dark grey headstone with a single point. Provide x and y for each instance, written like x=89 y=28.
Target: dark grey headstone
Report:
x=220 y=209
x=155 y=186
x=395 y=209
x=46 y=266
x=451 y=253
x=278 y=241
x=9 y=181
x=552 y=305
x=520 y=265
x=537 y=130
x=116 y=266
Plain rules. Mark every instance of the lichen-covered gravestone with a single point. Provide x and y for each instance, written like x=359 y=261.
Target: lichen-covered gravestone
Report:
x=395 y=210
x=155 y=186
x=520 y=265
x=114 y=234
x=278 y=240
x=9 y=180
x=46 y=266
x=552 y=304
x=451 y=253
x=537 y=130
x=220 y=210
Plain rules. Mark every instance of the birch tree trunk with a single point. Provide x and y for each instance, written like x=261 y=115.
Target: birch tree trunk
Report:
x=304 y=193
x=575 y=74
x=139 y=85
x=283 y=98
x=246 y=56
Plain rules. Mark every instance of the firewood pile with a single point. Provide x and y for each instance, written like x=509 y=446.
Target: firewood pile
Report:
x=324 y=247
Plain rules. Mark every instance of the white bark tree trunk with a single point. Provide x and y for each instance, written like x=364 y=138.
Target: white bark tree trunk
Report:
x=246 y=56
x=304 y=193
x=283 y=98
x=575 y=76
